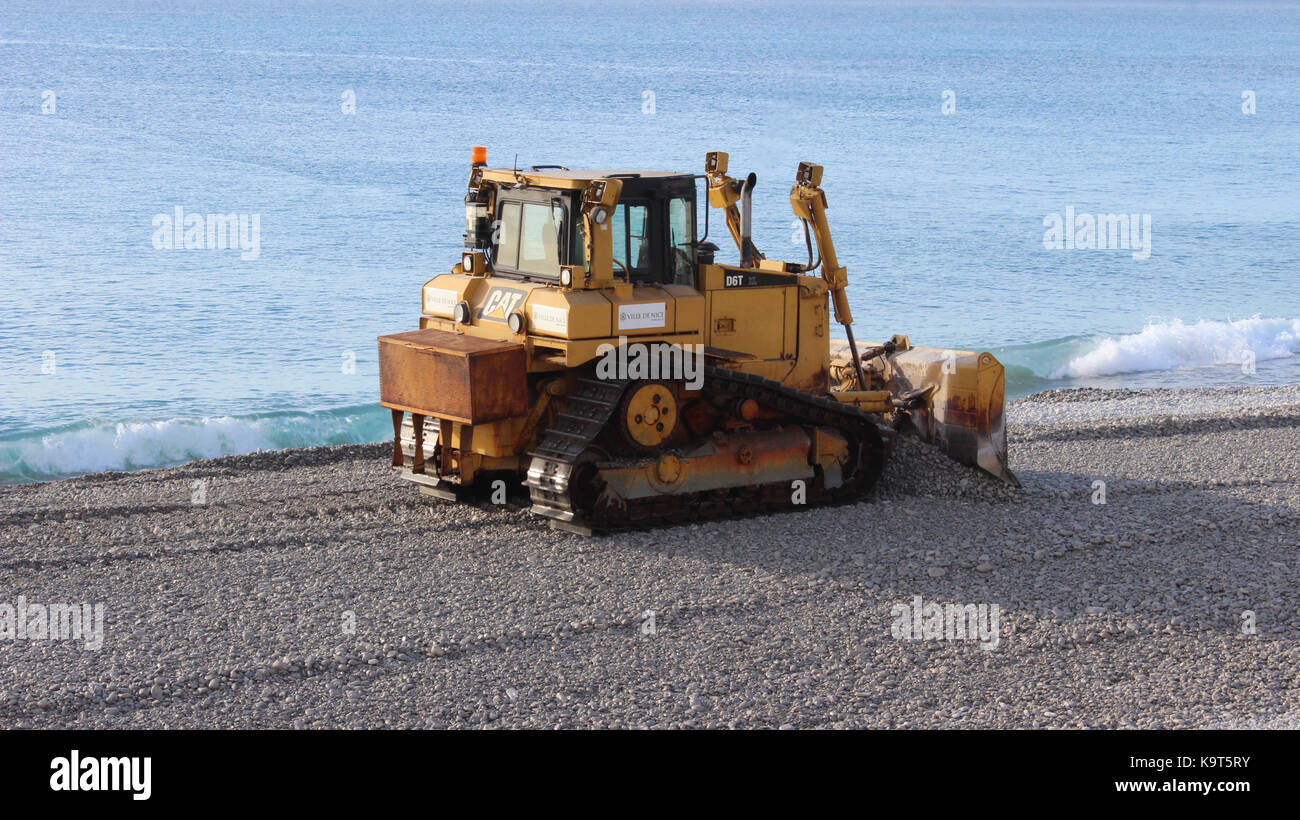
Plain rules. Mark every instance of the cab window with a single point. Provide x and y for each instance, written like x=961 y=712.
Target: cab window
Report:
x=507 y=251
x=681 y=227
x=531 y=237
x=631 y=243
x=539 y=245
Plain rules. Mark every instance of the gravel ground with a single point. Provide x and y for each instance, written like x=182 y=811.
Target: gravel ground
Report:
x=1091 y=404
x=313 y=588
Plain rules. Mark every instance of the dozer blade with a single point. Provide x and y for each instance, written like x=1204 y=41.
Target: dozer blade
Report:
x=950 y=398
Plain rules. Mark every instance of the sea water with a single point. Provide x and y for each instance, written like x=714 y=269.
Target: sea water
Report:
x=956 y=140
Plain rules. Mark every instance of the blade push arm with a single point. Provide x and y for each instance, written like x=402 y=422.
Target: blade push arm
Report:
x=809 y=203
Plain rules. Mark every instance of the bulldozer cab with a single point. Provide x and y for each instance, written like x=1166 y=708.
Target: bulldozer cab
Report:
x=538 y=228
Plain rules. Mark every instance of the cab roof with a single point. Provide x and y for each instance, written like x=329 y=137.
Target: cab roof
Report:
x=573 y=178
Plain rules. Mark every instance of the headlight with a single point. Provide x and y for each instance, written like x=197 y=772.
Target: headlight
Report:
x=566 y=277
x=473 y=262
x=516 y=322
x=461 y=314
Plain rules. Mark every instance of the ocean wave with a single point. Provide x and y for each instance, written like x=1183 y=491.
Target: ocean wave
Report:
x=1173 y=344
x=96 y=446
x=1163 y=345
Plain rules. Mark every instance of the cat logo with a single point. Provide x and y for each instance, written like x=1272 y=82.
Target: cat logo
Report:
x=500 y=303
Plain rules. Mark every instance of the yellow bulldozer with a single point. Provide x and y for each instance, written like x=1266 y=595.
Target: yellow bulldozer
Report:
x=589 y=348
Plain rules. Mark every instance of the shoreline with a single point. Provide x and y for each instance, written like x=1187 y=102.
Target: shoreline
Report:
x=313 y=588
x=1046 y=407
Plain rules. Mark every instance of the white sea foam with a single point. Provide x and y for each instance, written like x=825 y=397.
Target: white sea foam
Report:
x=135 y=445
x=1171 y=344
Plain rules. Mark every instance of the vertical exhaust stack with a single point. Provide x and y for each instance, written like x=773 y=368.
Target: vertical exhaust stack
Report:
x=735 y=198
x=749 y=254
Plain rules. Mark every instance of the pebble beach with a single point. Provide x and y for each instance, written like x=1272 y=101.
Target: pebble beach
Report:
x=1144 y=576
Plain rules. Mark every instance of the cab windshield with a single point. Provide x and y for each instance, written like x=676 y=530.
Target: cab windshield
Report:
x=534 y=238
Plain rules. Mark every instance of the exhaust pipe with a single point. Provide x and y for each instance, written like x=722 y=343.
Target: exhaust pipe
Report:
x=749 y=253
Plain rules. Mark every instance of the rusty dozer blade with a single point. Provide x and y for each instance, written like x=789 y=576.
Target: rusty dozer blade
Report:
x=950 y=398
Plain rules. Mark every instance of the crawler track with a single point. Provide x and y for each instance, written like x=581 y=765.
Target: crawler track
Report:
x=571 y=504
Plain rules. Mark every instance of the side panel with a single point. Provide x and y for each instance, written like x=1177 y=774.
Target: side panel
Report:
x=775 y=316
x=749 y=320
x=566 y=314
x=646 y=311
